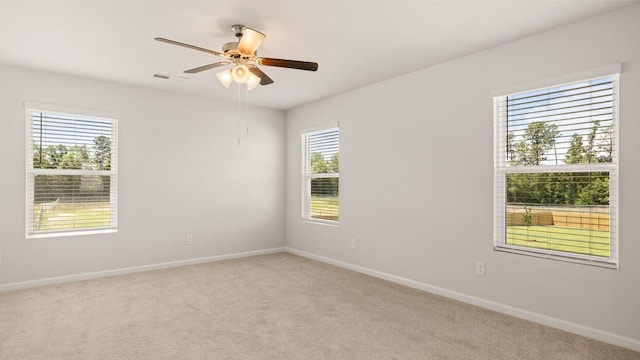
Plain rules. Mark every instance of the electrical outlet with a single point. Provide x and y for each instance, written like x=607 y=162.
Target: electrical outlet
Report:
x=353 y=243
x=188 y=240
x=480 y=268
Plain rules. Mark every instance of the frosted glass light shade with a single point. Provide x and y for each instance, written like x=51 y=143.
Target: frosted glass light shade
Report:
x=225 y=77
x=252 y=82
x=240 y=74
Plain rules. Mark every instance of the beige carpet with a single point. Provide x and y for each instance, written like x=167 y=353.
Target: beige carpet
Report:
x=268 y=307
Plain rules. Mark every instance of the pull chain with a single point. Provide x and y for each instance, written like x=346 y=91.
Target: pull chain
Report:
x=239 y=111
x=242 y=114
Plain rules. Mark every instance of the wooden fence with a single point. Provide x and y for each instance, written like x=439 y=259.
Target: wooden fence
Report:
x=592 y=218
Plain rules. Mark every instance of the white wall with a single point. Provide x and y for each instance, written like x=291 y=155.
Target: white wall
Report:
x=180 y=172
x=416 y=180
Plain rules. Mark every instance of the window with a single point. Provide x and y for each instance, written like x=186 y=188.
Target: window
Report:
x=556 y=172
x=320 y=175
x=71 y=173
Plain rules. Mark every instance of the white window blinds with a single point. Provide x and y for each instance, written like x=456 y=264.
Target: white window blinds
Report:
x=71 y=173
x=321 y=174
x=556 y=171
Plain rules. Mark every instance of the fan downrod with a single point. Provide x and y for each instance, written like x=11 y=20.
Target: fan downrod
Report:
x=238 y=30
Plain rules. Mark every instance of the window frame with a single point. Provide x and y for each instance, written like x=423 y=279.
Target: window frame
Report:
x=31 y=172
x=307 y=176
x=501 y=169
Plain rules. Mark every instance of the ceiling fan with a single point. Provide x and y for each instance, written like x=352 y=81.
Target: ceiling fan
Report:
x=242 y=55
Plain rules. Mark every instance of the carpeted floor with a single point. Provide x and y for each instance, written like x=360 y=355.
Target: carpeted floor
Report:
x=268 y=307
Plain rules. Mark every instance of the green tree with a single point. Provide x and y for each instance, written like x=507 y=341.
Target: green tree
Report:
x=569 y=188
x=539 y=137
x=596 y=190
x=576 y=153
x=318 y=164
x=334 y=164
x=54 y=154
x=102 y=152
x=511 y=150
x=39 y=158
x=592 y=150
x=76 y=157
x=564 y=188
x=605 y=145
x=325 y=186
x=522 y=154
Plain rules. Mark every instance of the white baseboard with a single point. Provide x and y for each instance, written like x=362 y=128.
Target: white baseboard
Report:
x=626 y=342
x=134 y=269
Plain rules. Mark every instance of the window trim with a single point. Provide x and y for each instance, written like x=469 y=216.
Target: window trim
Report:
x=500 y=170
x=30 y=171
x=307 y=176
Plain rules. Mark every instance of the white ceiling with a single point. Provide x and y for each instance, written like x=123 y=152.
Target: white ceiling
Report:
x=356 y=43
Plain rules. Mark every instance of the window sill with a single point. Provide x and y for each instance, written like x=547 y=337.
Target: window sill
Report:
x=70 y=233
x=605 y=263
x=321 y=222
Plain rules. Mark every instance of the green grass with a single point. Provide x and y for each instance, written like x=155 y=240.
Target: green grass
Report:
x=573 y=240
x=66 y=216
x=325 y=207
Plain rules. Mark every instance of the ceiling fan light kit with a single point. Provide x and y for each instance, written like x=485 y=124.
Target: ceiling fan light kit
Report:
x=252 y=82
x=240 y=74
x=225 y=77
x=242 y=55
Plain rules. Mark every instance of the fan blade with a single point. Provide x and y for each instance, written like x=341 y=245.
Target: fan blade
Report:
x=264 y=78
x=207 y=67
x=250 y=41
x=292 y=64
x=173 y=42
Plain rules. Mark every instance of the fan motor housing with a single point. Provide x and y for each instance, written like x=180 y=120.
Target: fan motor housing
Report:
x=230 y=46
x=230 y=49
